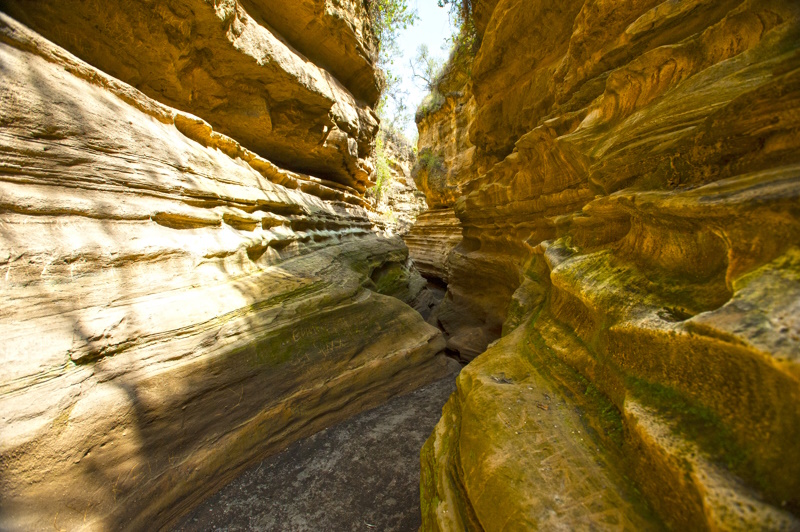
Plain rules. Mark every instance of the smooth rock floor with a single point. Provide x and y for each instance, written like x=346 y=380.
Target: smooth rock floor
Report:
x=362 y=474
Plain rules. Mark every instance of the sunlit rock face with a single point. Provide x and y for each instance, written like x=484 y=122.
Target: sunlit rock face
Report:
x=443 y=167
x=292 y=81
x=445 y=156
x=633 y=234
x=396 y=198
x=174 y=304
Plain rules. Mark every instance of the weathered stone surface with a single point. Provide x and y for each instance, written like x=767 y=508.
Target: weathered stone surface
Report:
x=174 y=306
x=633 y=232
x=443 y=169
x=334 y=34
x=214 y=60
x=396 y=198
x=430 y=241
x=491 y=465
x=361 y=473
x=445 y=162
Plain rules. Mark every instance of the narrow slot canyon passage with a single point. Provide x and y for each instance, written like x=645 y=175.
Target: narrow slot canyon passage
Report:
x=362 y=474
x=397 y=265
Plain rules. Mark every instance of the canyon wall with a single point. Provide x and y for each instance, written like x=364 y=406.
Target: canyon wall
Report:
x=190 y=276
x=443 y=167
x=629 y=267
x=396 y=198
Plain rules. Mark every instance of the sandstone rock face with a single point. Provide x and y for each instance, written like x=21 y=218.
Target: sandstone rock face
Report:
x=397 y=199
x=216 y=60
x=445 y=161
x=175 y=305
x=443 y=168
x=633 y=233
x=334 y=34
x=432 y=237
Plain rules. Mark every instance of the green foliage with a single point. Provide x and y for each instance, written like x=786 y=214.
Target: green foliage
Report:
x=433 y=165
x=393 y=117
x=465 y=42
x=430 y=161
x=391 y=134
x=382 y=169
x=426 y=68
x=450 y=78
x=388 y=18
x=460 y=9
x=432 y=102
x=463 y=47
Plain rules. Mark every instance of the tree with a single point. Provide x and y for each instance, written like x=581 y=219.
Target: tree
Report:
x=460 y=9
x=426 y=68
x=388 y=18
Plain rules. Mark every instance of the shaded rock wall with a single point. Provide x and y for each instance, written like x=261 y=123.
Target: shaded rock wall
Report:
x=174 y=304
x=632 y=232
x=432 y=237
x=335 y=34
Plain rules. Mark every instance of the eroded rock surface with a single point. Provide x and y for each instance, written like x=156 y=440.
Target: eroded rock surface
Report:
x=397 y=199
x=175 y=305
x=216 y=61
x=443 y=167
x=432 y=237
x=632 y=232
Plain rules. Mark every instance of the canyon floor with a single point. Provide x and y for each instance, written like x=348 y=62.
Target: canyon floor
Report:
x=362 y=474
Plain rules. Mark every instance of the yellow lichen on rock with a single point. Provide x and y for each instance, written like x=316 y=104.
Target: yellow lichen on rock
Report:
x=631 y=233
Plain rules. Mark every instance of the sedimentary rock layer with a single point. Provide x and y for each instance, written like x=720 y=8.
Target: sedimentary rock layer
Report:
x=335 y=34
x=214 y=60
x=396 y=198
x=443 y=167
x=174 y=305
x=431 y=239
x=633 y=234
x=445 y=163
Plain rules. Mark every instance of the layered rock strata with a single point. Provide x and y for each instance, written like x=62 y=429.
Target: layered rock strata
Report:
x=633 y=235
x=445 y=162
x=174 y=305
x=442 y=169
x=430 y=240
x=224 y=62
x=397 y=199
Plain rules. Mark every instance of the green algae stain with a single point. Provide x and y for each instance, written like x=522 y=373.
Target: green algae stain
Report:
x=596 y=406
x=699 y=424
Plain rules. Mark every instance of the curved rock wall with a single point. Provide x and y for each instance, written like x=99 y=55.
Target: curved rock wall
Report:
x=174 y=304
x=215 y=60
x=432 y=237
x=633 y=235
x=444 y=166
x=444 y=163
